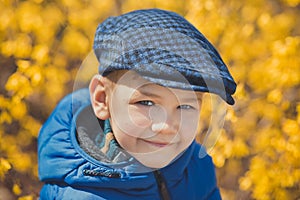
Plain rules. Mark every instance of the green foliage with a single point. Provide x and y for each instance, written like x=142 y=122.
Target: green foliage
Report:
x=44 y=42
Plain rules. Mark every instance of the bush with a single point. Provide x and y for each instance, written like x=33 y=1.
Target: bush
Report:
x=257 y=155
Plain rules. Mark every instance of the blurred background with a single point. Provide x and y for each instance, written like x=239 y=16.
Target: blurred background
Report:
x=257 y=155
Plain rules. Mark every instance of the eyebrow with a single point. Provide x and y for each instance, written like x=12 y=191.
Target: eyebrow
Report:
x=145 y=93
x=153 y=95
x=191 y=99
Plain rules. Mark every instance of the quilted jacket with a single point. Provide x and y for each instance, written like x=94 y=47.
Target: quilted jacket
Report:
x=70 y=173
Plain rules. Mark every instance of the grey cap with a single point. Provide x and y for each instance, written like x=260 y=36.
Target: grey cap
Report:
x=164 y=48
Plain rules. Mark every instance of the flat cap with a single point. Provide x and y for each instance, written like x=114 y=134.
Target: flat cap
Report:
x=164 y=48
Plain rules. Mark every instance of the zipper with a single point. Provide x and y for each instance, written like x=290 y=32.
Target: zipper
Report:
x=163 y=191
x=102 y=172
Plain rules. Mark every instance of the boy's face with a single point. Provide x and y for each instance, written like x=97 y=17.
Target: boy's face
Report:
x=153 y=123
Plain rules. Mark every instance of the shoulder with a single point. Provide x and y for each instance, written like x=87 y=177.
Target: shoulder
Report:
x=201 y=159
x=62 y=116
x=56 y=136
x=50 y=192
x=202 y=164
x=74 y=100
x=202 y=171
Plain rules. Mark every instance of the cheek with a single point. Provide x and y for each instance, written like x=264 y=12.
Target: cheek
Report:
x=189 y=126
x=139 y=117
x=126 y=141
x=131 y=120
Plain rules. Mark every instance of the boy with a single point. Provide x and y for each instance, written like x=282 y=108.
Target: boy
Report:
x=131 y=134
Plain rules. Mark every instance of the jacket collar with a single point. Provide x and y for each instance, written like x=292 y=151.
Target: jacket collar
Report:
x=100 y=135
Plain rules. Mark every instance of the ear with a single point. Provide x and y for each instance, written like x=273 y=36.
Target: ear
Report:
x=99 y=98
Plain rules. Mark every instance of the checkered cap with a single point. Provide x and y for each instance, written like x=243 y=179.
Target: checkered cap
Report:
x=164 y=48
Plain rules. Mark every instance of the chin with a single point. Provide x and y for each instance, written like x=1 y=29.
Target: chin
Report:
x=154 y=161
x=155 y=165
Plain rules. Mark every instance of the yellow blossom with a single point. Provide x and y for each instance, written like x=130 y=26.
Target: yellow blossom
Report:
x=27 y=197
x=16 y=189
x=43 y=44
x=4 y=167
x=75 y=43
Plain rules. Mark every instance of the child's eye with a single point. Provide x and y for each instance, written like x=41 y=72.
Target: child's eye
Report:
x=185 y=107
x=146 y=103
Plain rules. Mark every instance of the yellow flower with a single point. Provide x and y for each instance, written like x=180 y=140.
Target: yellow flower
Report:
x=40 y=54
x=18 y=84
x=28 y=15
x=245 y=183
x=293 y=2
x=27 y=197
x=275 y=96
x=240 y=149
x=16 y=189
x=6 y=17
x=17 y=108
x=4 y=167
x=291 y=127
x=21 y=161
x=75 y=43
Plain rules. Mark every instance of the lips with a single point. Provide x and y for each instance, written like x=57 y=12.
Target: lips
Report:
x=157 y=144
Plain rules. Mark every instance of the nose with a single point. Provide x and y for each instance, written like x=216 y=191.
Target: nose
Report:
x=164 y=128
x=163 y=121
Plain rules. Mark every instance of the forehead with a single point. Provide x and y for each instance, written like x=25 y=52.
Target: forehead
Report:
x=154 y=89
x=139 y=85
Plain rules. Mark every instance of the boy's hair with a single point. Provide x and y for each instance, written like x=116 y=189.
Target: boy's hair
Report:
x=115 y=76
x=163 y=48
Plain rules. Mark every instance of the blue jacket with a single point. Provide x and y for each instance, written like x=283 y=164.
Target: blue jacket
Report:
x=70 y=173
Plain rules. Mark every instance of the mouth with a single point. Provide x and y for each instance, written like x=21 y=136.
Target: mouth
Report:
x=157 y=144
